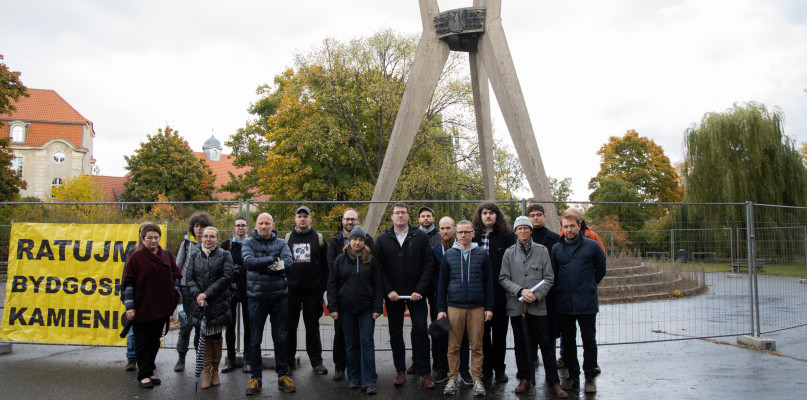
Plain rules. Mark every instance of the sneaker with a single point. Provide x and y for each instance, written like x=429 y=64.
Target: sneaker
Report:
x=590 y=387
x=246 y=368
x=353 y=385
x=371 y=390
x=465 y=378
x=338 y=375
x=131 y=365
x=255 y=386
x=286 y=384
x=320 y=369
x=451 y=387
x=439 y=377
x=479 y=389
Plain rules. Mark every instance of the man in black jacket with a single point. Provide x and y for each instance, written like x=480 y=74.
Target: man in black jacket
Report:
x=579 y=266
x=233 y=245
x=350 y=219
x=406 y=264
x=493 y=233
x=308 y=280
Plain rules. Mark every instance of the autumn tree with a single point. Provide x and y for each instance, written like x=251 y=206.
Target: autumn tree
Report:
x=741 y=155
x=633 y=169
x=164 y=164
x=321 y=130
x=82 y=189
x=561 y=191
x=11 y=89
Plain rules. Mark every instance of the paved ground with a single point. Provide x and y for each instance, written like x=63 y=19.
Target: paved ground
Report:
x=691 y=369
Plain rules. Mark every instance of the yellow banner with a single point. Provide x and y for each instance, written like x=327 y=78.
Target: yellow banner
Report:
x=64 y=282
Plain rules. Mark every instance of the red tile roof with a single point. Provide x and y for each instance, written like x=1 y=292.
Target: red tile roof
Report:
x=112 y=185
x=220 y=169
x=39 y=133
x=44 y=105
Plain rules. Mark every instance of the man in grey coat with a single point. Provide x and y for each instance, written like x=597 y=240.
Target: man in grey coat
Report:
x=526 y=265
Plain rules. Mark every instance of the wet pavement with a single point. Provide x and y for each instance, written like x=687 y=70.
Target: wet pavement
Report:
x=684 y=369
x=693 y=369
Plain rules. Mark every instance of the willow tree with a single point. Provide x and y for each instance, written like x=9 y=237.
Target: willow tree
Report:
x=742 y=155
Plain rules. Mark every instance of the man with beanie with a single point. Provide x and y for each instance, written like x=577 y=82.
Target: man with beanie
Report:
x=526 y=265
x=465 y=297
x=308 y=280
x=579 y=265
x=350 y=219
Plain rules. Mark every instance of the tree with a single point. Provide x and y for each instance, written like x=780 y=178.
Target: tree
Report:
x=561 y=191
x=164 y=164
x=743 y=155
x=82 y=188
x=322 y=128
x=11 y=89
x=633 y=169
x=641 y=162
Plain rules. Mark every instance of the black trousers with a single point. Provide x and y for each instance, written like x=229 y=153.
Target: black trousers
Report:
x=494 y=342
x=568 y=342
x=229 y=333
x=418 y=311
x=311 y=306
x=147 y=344
x=539 y=335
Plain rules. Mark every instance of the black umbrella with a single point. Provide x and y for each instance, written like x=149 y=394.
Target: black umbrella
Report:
x=200 y=350
x=527 y=346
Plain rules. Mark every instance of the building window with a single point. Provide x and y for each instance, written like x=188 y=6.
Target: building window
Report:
x=16 y=165
x=17 y=133
x=56 y=181
x=58 y=157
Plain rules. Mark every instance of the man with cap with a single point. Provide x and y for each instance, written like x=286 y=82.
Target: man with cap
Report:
x=526 y=265
x=465 y=297
x=336 y=245
x=308 y=280
x=426 y=221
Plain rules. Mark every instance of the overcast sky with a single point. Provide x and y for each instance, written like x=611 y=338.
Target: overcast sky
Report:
x=589 y=69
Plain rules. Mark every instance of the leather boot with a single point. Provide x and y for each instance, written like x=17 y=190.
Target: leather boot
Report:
x=559 y=392
x=217 y=344
x=523 y=386
x=207 y=366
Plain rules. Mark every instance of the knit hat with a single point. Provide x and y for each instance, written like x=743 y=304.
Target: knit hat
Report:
x=358 y=232
x=522 y=221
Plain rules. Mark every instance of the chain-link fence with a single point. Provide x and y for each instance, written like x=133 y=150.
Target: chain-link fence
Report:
x=675 y=271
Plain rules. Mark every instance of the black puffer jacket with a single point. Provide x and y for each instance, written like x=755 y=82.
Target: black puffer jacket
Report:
x=259 y=254
x=408 y=268
x=211 y=275
x=354 y=284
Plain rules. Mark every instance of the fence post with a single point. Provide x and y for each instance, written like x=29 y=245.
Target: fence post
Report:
x=672 y=245
x=247 y=212
x=752 y=264
x=523 y=206
x=612 y=244
x=805 y=249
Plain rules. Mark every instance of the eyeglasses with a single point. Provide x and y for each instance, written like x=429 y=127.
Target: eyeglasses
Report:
x=400 y=213
x=538 y=214
x=464 y=232
x=206 y=237
x=241 y=226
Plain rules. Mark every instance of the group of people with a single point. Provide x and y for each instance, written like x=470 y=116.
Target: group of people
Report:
x=481 y=275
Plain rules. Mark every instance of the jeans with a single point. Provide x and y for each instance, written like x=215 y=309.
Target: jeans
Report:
x=277 y=311
x=420 y=339
x=130 y=345
x=470 y=323
x=186 y=325
x=539 y=336
x=494 y=342
x=311 y=306
x=361 y=354
x=568 y=342
x=229 y=334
